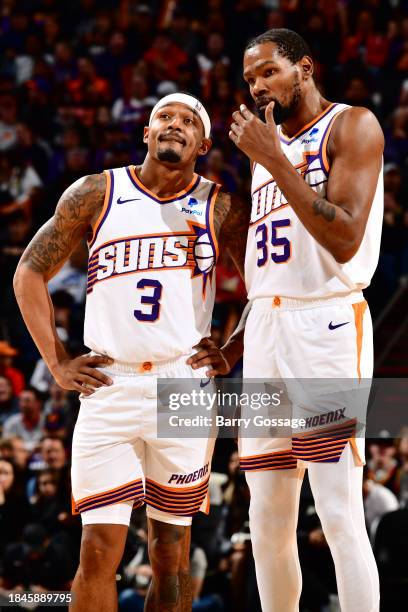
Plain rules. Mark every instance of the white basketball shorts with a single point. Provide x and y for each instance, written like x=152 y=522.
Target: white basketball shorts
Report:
x=119 y=462
x=313 y=347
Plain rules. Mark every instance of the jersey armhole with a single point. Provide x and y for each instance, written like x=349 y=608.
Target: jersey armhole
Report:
x=212 y=196
x=323 y=145
x=105 y=208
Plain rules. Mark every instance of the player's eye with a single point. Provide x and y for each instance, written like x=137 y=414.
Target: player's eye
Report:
x=164 y=116
x=188 y=121
x=269 y=72
x=250 y=81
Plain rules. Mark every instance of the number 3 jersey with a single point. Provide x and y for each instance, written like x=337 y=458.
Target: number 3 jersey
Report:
x=282 y=257
x=151 y=270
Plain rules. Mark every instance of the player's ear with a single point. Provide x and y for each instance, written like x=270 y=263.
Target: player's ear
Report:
x=306 y=66
x=205 y=146
x=145 y=134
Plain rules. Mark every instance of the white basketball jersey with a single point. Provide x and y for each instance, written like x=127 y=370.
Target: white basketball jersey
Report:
x=282 y=257
x=151 y=271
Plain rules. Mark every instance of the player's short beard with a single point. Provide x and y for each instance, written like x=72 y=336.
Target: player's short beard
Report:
x=283 y=113
x=169 y=155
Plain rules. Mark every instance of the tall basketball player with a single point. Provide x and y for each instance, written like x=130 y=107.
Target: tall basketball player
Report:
x=313 y=245
x=153 y=233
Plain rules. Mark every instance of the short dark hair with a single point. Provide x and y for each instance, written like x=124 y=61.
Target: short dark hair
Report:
x=290 y=44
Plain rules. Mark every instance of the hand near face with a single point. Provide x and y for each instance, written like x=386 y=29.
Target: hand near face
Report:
x=258 y=140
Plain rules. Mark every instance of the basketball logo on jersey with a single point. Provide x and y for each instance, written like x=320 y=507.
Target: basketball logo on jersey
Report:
x=192 y=250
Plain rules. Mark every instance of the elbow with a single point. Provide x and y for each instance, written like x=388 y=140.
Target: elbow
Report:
x=342 y=254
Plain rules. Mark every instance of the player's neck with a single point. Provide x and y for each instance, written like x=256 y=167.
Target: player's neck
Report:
x=163 y=180
x=312 y=105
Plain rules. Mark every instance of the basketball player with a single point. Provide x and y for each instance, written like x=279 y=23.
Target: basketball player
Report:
x=313 y=245
x=153 y=233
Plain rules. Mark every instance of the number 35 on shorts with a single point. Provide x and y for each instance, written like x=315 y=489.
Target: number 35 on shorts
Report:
x=270 y=238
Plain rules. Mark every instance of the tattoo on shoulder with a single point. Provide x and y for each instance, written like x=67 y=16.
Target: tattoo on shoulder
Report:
x=76 y=210
x=324 y=208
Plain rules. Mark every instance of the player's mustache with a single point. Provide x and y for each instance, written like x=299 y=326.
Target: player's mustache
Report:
x=172 y=136
x=262 y=102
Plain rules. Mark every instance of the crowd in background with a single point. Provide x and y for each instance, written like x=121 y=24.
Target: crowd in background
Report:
x=77 y=82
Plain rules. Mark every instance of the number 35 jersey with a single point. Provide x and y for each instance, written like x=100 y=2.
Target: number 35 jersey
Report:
x=282 y=257
x=151 y=270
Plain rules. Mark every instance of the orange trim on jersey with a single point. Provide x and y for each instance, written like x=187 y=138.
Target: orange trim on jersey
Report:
x=179 y=194
x=359 y=310
x=106 y=202
x=325 y=159
x=211 y=218
x=308 y=125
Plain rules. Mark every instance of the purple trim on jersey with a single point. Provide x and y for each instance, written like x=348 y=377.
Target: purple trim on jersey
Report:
x=106 y=211
x=290 y=140
x=207 y=218
x=149 y=195
x=328 y=126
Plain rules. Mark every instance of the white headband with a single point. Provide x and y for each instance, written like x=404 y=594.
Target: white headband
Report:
x=189 y=101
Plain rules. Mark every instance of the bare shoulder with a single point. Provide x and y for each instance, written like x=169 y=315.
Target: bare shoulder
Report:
x=78 y=208
x=231 y=214
x=357 y=127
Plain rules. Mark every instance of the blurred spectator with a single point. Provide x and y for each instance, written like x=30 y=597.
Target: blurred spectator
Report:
x=53 y=453
x=8 y=401
x=14 y=509
x=8 y=122
x=133 y=111
x=164 y=58
x=382 y=463
x=213 y=54
x=401 y=479
x=72 y=277
x=37 y=563
x=88 y=87
x=32 y=151
x=378 y=500
x=19 y=185
x=366 y=45
x=48 y=508
x=7 y=353
x=218 y=171
x=29 y=423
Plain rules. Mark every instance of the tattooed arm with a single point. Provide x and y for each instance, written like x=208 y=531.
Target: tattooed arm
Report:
x=75 y=214
x=231 y=220
x=355 y=149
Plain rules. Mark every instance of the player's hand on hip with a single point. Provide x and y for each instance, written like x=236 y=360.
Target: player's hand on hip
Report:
x=208 y=354
x=80 y=374
x=258 y=140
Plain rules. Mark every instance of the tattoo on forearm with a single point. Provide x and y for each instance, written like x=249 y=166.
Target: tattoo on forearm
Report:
x=78 y=206
x=324 y=208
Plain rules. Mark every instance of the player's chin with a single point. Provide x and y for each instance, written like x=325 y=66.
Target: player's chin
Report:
x=170 y=155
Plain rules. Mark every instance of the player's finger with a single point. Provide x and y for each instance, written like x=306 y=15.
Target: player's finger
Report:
x=238 y=118
x=105 y=380
x=81 y=389
x=98 y=360
x=88 y=380
x=212 y=373
x=210 y=360
x=235 y=128
x=245 y=112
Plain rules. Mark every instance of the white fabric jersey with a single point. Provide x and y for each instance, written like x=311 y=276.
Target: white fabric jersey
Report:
x=151 y=268
x=282 y=257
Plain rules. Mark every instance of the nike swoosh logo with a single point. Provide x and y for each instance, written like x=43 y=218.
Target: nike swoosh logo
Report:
x=120 y=201
x=331 y=326
x=204 y=384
